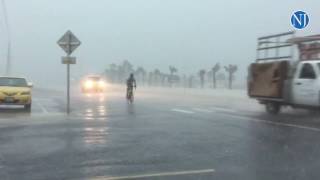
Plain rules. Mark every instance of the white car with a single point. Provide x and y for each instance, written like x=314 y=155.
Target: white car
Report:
x=93 y=84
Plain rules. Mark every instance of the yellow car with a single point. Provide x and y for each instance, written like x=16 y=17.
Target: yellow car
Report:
x=15 y=91
x=93 y=84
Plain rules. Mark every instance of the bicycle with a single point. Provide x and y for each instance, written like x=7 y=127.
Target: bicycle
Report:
x=130 y=96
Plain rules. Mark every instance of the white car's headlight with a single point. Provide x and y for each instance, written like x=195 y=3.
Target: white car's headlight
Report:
x=102 y=84
x=88 y=84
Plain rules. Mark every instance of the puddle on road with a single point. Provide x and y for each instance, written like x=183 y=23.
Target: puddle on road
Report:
x=95 y=136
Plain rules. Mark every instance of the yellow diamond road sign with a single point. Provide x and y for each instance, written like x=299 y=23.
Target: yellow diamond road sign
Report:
x=69 y=42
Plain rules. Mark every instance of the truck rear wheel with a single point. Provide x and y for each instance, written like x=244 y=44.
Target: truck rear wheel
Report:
x=273 y=107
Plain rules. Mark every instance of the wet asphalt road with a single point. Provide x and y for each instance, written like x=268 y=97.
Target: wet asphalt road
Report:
x=160 y=136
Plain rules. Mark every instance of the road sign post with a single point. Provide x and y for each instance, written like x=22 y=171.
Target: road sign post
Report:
x=68 y=42
x=68 y=88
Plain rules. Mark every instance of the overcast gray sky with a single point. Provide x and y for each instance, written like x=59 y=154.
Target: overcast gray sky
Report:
x=189 y=34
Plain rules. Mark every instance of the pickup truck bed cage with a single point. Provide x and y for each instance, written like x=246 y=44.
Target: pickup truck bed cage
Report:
x=273 y=44
x=308 y=46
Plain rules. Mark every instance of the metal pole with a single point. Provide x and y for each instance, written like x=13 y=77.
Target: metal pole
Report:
x=5 y=14
x=68 y=74
x=68 y=88
x=8 y=65
x=214 y=79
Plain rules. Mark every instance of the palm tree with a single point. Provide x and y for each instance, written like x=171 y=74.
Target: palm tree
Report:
x=172 y=70
x=202 y=73
x=215 y=69
x=231 y=69
x=157 y=75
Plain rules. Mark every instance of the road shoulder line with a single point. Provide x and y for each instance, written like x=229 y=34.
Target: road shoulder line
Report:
x=175 y=173
x=182 y=111
x=272 y=122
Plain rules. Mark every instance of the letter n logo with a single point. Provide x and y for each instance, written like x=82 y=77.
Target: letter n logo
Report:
x=299 y=19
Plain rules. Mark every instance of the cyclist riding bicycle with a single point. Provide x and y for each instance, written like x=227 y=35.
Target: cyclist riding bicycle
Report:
x=131 y=82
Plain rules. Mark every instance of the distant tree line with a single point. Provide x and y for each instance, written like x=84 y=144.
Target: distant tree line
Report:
x=118 y=73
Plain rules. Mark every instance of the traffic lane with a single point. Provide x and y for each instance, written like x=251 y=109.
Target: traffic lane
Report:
x=48 y=103
x=262 y=121
x=236 y=100
x=86 y=151
x=41 y=112
x=291 y=116
x=119 y=107
x=40 y=107
x=130 y=107
x=83 y=104
x=299 y=118
x=153 y=141
x=243 y=107
x=45 y=102
x=263 y=150
x=92 y=106
x=113 y=103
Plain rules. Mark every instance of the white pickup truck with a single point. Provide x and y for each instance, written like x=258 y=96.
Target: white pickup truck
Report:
x=288 y=74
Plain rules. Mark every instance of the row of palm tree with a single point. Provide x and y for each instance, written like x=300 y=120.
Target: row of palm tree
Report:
x=212 y=74
x=119 y=73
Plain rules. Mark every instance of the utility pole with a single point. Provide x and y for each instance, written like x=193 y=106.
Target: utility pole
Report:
x=8 y=65
x=5 y=15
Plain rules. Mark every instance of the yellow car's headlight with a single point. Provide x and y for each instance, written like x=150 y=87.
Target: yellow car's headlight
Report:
x=25 y=93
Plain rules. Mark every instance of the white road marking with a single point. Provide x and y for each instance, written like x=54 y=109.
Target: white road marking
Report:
x=44 y=110
x=47 y=101
x=48 y=98
x=176 y=173
x=223 y=109
x=182 y=111
x=273 y=123
x=202 y=110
